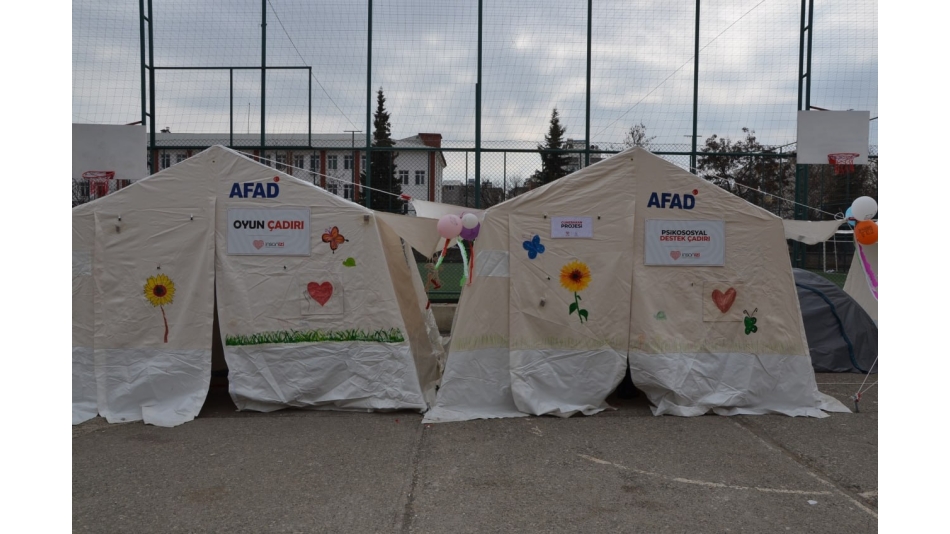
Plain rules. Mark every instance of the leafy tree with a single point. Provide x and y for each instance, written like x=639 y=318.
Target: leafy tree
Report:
x=774 y=178
x=759 y=177
x=553 y=162
x=637 y=136
x=383 y=163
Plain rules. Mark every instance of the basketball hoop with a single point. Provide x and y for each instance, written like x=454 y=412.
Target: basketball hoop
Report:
x=843 y=162
x=98 y=182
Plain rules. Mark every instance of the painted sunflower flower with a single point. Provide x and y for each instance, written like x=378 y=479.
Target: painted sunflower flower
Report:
x=159 y=290
x=575 y=276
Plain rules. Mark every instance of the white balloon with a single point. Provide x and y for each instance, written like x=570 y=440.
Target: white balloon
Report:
x=864 y=208
x=469 y=220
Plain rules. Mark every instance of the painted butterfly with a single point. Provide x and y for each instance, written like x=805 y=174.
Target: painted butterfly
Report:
x=334 y=238
x=749 y=322
x=534 y=247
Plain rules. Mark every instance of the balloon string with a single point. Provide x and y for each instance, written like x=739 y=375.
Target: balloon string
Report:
x=464 y=258
x=445 y=250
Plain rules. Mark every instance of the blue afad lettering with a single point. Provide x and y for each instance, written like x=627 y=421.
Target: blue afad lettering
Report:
x=672 y=201
x=254 y=190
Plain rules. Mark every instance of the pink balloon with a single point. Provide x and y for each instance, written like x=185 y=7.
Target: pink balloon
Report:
x=450 y=226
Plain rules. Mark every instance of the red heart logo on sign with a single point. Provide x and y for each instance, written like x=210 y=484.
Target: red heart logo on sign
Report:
x=675 y=254
x=724 y=300
x=320 y=292
x=258 y=244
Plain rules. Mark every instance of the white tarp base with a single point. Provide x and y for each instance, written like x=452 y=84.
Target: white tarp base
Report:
x=729 y=384
x=345 y=375
x=84 y=385
x=478 y=387
x=162 y=387
x=565 y=382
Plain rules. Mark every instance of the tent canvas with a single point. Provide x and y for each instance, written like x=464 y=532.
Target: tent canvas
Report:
x=862 y=274
x=670 y=272
x=842 y=337
x=316 y=302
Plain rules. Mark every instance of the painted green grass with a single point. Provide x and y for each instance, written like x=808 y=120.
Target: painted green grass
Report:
x=393 y=335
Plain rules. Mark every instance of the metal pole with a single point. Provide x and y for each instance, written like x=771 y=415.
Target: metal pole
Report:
x=151 y=88
x=801 y=57
x=263 y=69
x=811 y=32
x=587 y=113
x=310 y=106
x=504 y=171
x=478 y=116
x=692 y=157
x=231 y=87
x=142 y=50
x=369 y=99
x=353 y=149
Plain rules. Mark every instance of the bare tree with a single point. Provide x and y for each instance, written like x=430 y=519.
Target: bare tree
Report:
x=637 y=136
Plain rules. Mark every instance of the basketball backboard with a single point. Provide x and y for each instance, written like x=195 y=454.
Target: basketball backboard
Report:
x=821 y=133
x=110 y=147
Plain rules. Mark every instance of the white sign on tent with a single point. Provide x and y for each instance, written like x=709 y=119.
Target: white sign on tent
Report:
x=685 y=243
x=572 y=227
x=269 y=231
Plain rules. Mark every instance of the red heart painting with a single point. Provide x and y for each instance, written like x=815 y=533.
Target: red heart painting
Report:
x=320 y=292
x=724 y=300
x=675 y=254
x=258 y=243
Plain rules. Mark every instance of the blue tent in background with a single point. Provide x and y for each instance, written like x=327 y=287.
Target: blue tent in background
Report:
x=842 y=337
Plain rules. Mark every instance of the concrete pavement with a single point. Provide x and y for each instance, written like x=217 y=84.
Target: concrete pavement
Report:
x=619 y=471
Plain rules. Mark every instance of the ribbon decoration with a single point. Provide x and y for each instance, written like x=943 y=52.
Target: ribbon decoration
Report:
x=471 y=265
x=445 y=250
x=464 y=279
x=868 y=272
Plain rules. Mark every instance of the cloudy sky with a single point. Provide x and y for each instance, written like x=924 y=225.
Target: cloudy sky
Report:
x=425 y=56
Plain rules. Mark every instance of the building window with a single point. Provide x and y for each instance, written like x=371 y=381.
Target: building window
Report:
x=281 y=160
x=420 y=177
x=404 y=177
x=332 y=188
x=348 y=162
x=331 y=163
x=314 y=163
x=179 y=158
x=298 y=162
x=165 y=161
x=348 y=191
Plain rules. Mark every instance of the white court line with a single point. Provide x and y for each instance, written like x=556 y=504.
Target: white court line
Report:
x=705 y=483
x=820 y=479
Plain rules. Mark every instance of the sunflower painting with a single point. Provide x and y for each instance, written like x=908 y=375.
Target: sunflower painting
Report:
x=575 y=277
x=160 y=290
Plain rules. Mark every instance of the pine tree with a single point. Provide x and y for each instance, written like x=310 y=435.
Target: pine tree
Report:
x=553 y=164
x=383 y=163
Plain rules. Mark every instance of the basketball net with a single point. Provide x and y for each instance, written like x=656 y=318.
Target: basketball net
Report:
x=843 y=162
x=98 y=182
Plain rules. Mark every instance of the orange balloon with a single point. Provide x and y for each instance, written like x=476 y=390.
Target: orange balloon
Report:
x=866 y=232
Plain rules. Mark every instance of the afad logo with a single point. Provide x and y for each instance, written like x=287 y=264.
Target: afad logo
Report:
x=673 y=200
x=255 y=189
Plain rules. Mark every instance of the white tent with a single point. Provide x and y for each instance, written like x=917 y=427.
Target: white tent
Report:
x=631 y=259
x=316 y=297
x=861 y=283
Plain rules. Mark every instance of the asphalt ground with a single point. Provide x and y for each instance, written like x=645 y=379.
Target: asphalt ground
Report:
x=623 y=470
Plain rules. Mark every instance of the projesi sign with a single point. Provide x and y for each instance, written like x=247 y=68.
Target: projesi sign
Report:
x=572 y=227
